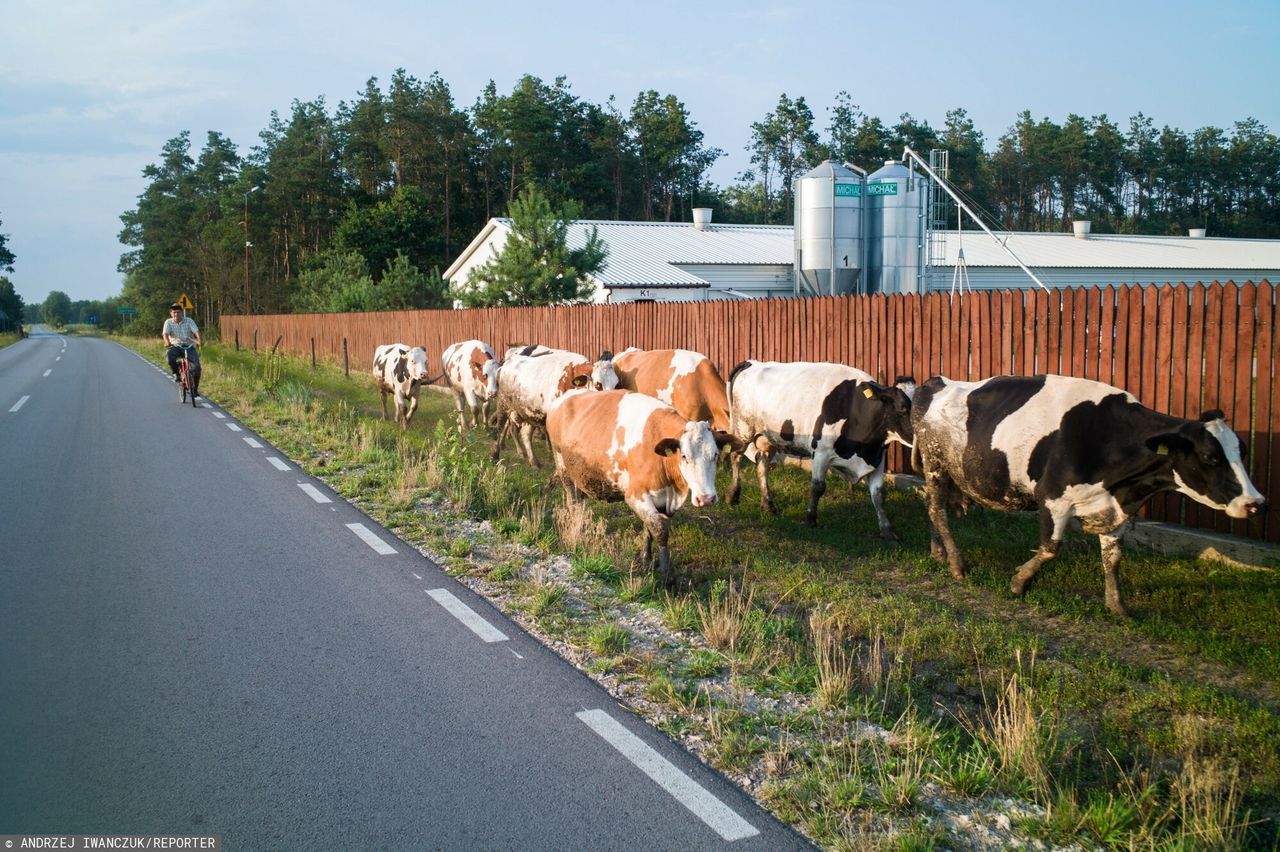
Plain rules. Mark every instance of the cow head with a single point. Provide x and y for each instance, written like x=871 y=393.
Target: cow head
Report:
x=490 y=371
x=696 y=452
x=416 y=363
x=1207 y=461
x=603 y=375
x=891 y=407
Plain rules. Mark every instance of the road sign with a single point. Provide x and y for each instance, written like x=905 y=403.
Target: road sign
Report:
x=127 y=311
x=185 y=302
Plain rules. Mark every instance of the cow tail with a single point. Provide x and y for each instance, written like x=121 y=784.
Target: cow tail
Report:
x=916 y=462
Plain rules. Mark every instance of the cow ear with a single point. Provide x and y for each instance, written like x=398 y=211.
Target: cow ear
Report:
x=580 y=381
x=1211 y=414
x=667 y=447
x=1167 y=444
x=724 y=439
x=606 y=355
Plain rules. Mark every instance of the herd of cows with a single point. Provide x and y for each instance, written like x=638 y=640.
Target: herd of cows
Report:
x=649 y=427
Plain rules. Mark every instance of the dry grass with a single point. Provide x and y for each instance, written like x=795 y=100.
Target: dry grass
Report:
x=1207 y=794
x=579 y=528
x=1019 y=734
x=723 y=618
x=835 y=664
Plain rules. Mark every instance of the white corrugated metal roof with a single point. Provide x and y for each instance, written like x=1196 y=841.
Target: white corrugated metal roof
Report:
x=1118 y=251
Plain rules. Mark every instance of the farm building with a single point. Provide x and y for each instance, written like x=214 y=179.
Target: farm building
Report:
x=666 y=261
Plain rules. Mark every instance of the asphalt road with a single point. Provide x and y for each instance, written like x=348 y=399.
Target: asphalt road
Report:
x=191 y=643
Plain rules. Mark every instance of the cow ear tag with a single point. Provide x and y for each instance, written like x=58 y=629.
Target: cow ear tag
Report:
x=1162 y=450
x=868 y=393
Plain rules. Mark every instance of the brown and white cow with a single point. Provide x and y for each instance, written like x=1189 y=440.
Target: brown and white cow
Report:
x=471 y=369
x=1071 y=448
x=619 y=445
x=400 y=371
x=834 y=414
x=531 y=377
x=685 y=380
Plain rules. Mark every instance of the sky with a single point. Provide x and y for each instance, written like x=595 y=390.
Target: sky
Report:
x=91 y=91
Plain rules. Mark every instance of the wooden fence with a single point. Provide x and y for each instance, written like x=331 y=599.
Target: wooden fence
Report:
x=1179 y=349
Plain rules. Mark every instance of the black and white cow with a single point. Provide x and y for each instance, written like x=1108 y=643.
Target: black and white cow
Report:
x=400 y=371
x=831 y=413
x=1071 y=448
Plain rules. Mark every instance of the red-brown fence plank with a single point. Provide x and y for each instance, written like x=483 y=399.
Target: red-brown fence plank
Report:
x=1264 y=426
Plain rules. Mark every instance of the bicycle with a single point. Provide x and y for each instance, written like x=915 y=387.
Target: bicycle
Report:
x=187 y=378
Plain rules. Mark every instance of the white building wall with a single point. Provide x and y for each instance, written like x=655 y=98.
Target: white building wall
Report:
x=756 y=282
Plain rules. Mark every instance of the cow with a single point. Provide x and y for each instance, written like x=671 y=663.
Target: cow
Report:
x=620 y=445
x=531 y=377
x=685 y=380
x=400 y=371
x=1068 y=448
x=471 y=369
x=831 y=413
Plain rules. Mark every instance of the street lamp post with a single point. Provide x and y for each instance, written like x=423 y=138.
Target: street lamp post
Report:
x=247 y=246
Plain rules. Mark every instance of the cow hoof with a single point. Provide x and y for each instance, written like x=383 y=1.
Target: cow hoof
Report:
x=810 y=521
x=938 y=553
x=958 y=572
x=768 y=507
x=890 y=538
x=732 y=498
x=1018 y=588
x=1117 y=608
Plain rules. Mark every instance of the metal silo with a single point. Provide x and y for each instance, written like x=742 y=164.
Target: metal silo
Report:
x=828 y=231
x=896 y=203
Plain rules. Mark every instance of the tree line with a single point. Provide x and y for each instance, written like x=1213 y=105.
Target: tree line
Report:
x=359 y=207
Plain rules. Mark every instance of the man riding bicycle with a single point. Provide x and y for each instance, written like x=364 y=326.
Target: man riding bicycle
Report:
x=180 y=332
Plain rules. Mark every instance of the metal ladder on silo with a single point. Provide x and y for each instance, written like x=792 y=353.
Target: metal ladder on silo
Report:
x=939 y=217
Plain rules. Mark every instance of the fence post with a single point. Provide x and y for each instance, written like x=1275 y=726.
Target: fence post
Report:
x=255 y=340
x=346 y=365
x=313 y=353
x=237 y=340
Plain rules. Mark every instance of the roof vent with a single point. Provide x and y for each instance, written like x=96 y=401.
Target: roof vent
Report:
x=701 y=217
x=1196 y=233
x=1080 y=227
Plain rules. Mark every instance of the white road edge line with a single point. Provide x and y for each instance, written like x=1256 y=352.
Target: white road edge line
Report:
x=253 y=443
x=277 y=463
x=20 y=403
x=469 y=618
x=723 y=820
x=367 y=536
x=312 y=492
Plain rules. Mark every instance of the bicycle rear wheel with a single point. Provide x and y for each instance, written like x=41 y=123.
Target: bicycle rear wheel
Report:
x=182 y=374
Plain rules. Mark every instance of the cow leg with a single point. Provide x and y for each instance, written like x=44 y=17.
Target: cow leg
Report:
x=460 y=401
x=526 y=442
x=735 y=487
x=504 y=426
x=937 y=488
x=1110 y=573
x=876 y=486
x=817 y=486
x=409 y=410
x=384 y=402
x=764 y=455
x=1050 y=539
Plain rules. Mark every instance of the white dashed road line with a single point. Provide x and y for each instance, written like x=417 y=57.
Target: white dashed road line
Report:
x=467 y=616
x=277 y=464
x=219 y=415
x=47 y=372
x=20 y=403
x=233 y=427
x=253 y=443
x=700 y=802
x=367 y=536
x=311 y=491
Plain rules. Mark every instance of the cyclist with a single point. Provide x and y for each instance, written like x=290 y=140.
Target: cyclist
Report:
x=180 y=331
